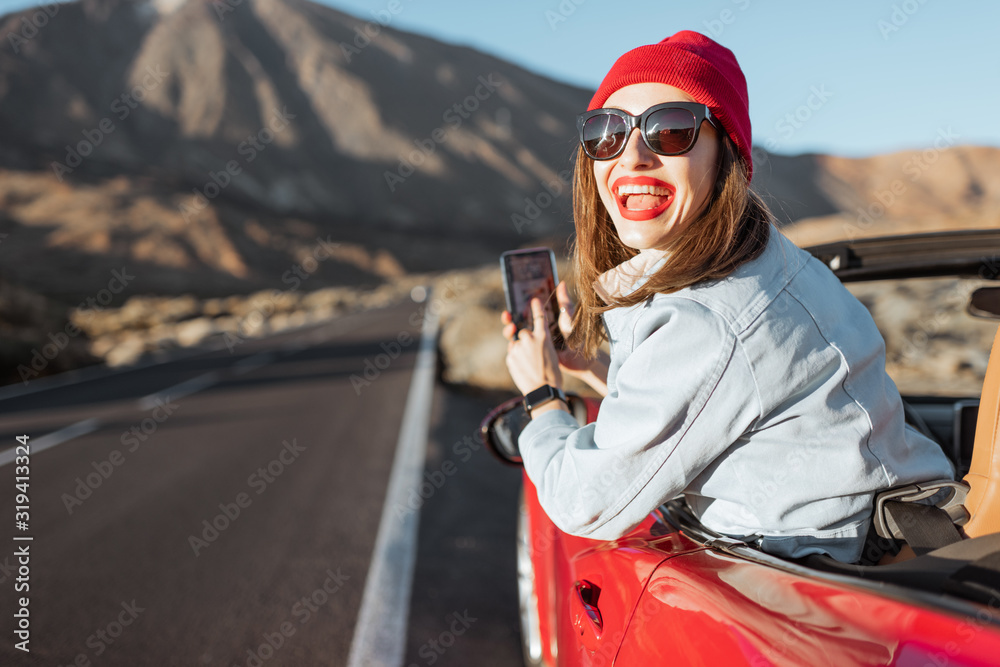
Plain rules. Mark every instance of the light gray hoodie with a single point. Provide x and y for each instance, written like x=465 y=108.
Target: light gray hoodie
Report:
x=761 y=397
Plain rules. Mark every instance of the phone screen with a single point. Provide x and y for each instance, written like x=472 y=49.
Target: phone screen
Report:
x=530 y=274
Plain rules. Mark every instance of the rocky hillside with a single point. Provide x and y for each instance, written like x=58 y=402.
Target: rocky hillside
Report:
x=205 y=143
x=213 y=147
x=200 y=150
x=946 y=186
x=37 y=336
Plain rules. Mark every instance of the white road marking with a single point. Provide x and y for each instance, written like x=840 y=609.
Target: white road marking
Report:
x=179 y=391
x=44 y=442
x=380 y=635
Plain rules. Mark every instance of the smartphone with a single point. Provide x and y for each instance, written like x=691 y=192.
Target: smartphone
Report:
x=528 y=274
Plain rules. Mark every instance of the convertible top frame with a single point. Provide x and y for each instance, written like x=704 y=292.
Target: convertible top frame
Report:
x=973 y=253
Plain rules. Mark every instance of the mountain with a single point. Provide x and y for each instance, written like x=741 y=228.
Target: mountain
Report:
x=825 y=198
x=222 y=147
x=210 y=144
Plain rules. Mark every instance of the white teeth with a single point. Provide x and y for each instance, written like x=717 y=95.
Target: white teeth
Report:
x=643 y=190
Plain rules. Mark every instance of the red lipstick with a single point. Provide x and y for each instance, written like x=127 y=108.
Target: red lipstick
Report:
x=645 y=213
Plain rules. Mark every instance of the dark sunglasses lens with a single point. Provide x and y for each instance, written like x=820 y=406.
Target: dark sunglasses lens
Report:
x=670 y=131
x=604 y=135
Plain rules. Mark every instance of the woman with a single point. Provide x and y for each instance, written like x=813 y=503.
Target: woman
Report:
x=742 y=373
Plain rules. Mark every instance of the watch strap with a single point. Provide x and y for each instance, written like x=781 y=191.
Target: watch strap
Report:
x=541 y=396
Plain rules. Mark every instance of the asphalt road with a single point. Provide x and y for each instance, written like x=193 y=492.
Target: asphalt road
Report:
x=221 y=509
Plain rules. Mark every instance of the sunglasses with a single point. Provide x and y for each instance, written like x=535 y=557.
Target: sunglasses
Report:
x=668 y=129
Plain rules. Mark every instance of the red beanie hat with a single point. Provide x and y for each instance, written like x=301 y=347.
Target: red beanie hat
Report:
x=702 y=68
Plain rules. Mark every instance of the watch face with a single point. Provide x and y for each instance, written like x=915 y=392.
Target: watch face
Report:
x=541 y=396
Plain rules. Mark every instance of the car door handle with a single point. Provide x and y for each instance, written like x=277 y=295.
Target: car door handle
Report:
x=586 y=615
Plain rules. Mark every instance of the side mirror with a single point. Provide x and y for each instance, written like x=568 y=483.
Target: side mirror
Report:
x=985 y=303
x=501 y=428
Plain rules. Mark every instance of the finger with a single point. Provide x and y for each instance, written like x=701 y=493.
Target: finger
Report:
x=562 y=296
x=505 y=317
x=508 y=331
x=541 y=326
x=566 y=310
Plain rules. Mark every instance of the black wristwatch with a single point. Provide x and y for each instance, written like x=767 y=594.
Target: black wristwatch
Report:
x=541 y=396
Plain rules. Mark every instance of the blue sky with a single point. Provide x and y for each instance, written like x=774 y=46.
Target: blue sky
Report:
x=881 y=75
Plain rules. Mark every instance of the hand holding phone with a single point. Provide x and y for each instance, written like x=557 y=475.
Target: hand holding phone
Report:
x=529 y=274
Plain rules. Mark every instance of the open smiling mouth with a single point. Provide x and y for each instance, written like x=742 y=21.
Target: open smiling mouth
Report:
x=642 y=198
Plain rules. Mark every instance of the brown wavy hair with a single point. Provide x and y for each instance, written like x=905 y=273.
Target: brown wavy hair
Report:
x=733 y=229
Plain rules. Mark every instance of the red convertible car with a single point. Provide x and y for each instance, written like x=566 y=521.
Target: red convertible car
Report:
x=673 y=592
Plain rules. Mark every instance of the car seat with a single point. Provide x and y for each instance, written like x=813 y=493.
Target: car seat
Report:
x=983 y=499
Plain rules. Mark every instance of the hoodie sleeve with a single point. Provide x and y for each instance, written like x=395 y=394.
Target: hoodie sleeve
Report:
x=682 y=396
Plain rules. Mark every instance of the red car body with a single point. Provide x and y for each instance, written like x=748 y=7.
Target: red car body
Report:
x=664 y=598
x=673 y=593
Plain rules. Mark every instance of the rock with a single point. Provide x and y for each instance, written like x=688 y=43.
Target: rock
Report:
x=285 y=302
x=161 y=335
x=36 y=337
x=138 y=312
x=213 y=307
x=473 y=351
x=278 y=322
x=321 y=313
x=192 y=332
x=126 y=352
x=329 y=296
x=227 y=323
x=176 y=309
x=297 y=319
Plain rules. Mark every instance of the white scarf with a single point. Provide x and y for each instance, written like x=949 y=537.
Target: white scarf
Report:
x=630 y=275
